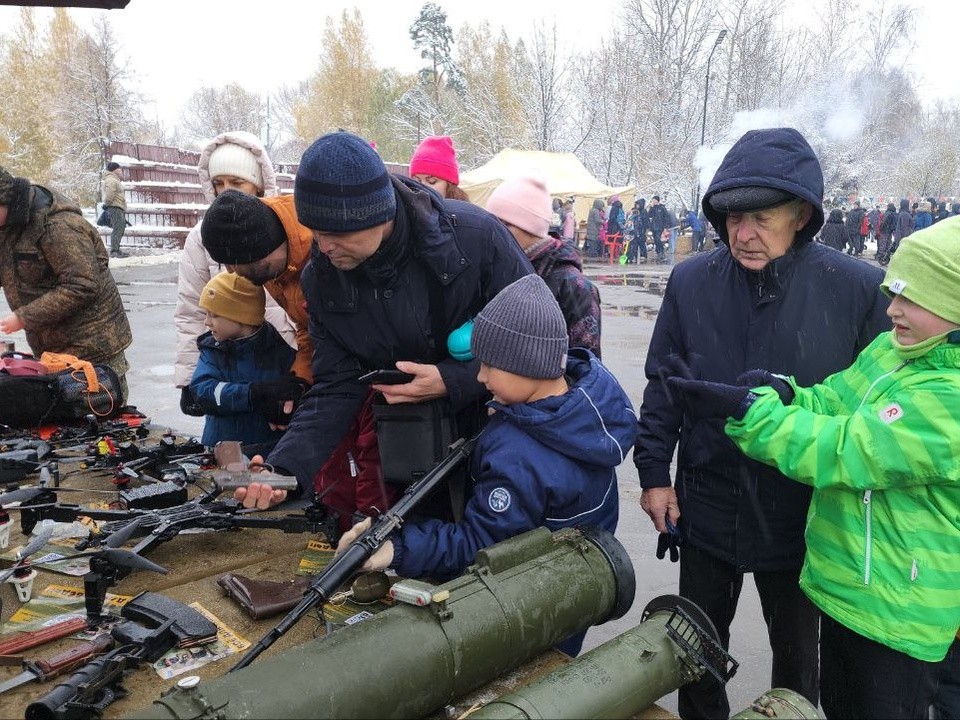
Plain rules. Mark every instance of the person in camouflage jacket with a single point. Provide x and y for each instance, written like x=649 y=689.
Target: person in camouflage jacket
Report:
x=55 y=274
x=877 y=442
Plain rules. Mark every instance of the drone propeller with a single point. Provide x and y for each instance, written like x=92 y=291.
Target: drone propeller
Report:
x=118 y=538
x=22 y=495
x=38 y=541
x=129 y=559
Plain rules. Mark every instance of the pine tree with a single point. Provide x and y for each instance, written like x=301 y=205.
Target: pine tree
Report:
x=433 y=38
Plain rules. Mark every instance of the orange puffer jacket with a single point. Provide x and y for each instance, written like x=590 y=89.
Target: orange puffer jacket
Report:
x=285 y=288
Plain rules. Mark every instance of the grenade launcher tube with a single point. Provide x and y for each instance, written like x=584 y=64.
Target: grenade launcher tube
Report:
x=522 y=597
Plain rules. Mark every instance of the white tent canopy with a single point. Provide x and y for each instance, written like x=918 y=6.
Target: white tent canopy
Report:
x=564 y=173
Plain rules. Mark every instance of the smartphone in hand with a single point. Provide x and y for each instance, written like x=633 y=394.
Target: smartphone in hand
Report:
x=386 y=377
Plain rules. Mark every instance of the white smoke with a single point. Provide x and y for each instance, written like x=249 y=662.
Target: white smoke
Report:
x=821 y=118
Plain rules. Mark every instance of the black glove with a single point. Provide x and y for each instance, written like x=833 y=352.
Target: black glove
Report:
x=756 y=378
x=709 y=399
x=675 y=366
x=269 y=397
x=670 y=540
x=188 y=403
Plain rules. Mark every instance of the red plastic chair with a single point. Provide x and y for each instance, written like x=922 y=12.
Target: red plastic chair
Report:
x=612 y=244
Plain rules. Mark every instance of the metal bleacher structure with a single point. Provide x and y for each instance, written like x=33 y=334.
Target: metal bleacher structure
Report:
x=163 y=194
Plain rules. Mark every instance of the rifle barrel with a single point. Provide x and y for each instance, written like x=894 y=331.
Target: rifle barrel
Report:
x=345 y=564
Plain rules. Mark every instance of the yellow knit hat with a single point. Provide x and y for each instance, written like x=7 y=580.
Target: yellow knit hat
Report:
x=234 y=297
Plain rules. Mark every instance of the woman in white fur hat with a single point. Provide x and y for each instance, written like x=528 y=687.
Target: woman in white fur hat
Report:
x=233 y=160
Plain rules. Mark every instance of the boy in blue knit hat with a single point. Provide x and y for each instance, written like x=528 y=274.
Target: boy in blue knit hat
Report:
x=560 y=426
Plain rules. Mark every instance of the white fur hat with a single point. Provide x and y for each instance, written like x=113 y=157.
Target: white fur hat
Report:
x=232 y=159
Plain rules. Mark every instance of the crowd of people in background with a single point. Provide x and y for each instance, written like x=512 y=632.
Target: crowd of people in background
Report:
x=633 y=234
x=850 y=230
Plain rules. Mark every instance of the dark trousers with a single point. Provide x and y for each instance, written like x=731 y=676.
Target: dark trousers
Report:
x=946 y=704
x=658 y=242
x=118 y=224
x=866 y=679
x=792 y=625
x=637 y=247
x=883 y=248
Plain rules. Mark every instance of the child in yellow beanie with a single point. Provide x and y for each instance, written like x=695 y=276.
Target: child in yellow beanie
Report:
x=244 y=366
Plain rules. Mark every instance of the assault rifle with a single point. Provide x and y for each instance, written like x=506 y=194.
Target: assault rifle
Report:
x=162 y=524
x=344 y=565
x=88 y=692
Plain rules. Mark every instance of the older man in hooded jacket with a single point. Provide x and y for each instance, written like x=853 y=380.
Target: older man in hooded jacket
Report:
x=777 y=301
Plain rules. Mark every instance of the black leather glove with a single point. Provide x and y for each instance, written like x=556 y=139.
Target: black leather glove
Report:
x=670 y=540
x=188 y=403
x=756 y=378
x=709 y=399
x=269 y=397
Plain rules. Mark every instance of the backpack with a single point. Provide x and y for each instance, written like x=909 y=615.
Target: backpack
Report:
x=889 y=222
x=31 y=399
x=864 y=226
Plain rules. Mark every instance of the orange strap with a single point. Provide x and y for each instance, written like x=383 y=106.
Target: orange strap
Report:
x=58 y=362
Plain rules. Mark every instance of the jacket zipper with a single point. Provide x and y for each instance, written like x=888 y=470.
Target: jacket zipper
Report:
x=867 y=495
x=869 y=536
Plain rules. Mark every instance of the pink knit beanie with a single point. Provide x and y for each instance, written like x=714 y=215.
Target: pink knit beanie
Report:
x=523 y=202
x=435 y=156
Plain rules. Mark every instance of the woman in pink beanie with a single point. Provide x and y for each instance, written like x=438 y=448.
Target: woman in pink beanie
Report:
x=434 y=163
x=524 y=205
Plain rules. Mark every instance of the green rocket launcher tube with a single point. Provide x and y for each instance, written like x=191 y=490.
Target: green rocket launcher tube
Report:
x=675 y=643
x=520 y=598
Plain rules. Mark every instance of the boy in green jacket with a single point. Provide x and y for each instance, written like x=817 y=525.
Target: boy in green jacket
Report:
x=878 y=442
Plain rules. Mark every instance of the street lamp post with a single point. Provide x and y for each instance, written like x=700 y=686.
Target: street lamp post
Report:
x=706 y=93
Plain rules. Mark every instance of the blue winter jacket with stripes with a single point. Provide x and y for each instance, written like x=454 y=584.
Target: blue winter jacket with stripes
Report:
x=549 y=463
x=221 y=384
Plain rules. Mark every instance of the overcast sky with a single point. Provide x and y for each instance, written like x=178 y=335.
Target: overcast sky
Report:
x=176 y=46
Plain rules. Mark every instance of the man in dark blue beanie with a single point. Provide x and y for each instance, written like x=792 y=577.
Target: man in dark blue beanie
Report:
x=394 y=270
x=342 y=186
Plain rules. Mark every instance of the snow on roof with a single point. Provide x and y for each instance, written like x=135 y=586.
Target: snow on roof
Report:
x=127 y=161
x=133 y=230
x=134 y=184
x=146 y=207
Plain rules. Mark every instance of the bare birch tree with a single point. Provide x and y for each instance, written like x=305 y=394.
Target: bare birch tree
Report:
x=96 y=106
x=551 y=90
x=213 y=110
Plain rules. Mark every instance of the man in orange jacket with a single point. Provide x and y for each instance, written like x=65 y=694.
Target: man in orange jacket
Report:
x=261 y=239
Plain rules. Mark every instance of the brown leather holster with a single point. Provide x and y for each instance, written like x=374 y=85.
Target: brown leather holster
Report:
x=263 y=598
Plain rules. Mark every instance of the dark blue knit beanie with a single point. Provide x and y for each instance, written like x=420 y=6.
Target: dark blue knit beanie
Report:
x=342 y=185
